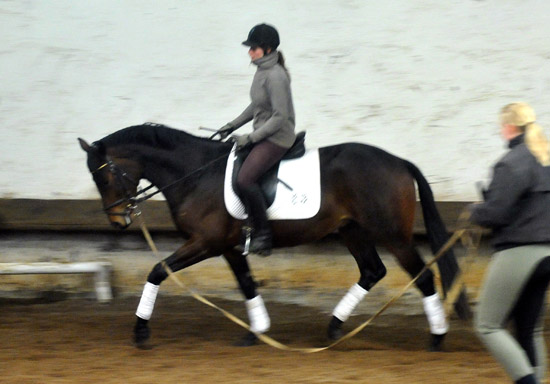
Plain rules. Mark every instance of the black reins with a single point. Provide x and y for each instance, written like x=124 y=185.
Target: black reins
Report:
x=133 y=199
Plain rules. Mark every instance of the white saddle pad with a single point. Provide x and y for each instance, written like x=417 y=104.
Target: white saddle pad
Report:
x=302 y=175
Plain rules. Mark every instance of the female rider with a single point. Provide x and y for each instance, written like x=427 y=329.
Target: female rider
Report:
x=272 y=112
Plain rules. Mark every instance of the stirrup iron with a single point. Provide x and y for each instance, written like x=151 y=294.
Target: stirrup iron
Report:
x=247 y=232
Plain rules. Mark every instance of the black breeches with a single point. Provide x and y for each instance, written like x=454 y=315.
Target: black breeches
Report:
x=263 y=156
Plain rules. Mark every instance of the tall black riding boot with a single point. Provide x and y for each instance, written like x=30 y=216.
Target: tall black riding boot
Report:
x=255 y=205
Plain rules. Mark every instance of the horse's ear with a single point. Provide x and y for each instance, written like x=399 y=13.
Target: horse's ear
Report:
x=84 y=145
x=96 y=147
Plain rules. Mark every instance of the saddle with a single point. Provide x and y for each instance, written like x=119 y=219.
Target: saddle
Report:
x=268 y=182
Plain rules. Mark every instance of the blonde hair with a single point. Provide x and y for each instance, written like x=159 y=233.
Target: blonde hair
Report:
x=523 y=116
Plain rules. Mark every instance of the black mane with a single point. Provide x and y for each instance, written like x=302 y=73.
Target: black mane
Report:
x=150 y=134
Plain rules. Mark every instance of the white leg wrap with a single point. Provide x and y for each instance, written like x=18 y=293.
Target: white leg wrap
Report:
x=348 y=303
x=257 y=314
x=147 y=302
x=436 y=315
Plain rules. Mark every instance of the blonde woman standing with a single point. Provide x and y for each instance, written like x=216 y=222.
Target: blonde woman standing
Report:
x=517 y=209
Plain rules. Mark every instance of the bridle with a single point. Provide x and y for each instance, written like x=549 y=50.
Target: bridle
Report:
x=132 y=198
x=122 y=179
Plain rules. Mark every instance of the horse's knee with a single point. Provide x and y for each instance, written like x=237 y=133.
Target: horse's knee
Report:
x=157 y=275
x=426 y=283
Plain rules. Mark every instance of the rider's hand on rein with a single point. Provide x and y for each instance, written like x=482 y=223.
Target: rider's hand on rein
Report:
x=242 y=141
x=225 y=131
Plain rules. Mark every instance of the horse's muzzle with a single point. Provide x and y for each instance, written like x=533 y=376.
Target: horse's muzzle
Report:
x=119 y=225
x=120 y=220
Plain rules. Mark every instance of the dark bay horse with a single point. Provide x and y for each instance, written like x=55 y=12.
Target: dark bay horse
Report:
x=367 y=196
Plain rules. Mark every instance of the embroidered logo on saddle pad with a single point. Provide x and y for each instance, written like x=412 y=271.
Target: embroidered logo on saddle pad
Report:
x=298 y=190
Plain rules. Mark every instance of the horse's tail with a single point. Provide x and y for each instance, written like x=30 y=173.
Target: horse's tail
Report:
x=438 y=236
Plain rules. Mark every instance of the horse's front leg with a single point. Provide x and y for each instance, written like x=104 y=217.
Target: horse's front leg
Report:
x=190 y=253
x=257 y=313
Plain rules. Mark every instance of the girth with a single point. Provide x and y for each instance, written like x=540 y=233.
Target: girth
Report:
x=268 y=181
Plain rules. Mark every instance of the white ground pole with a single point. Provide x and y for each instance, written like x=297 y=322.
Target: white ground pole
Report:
x=100 y=269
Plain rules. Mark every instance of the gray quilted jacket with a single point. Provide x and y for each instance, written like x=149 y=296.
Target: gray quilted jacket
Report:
x=517 y=202
x=271 y=107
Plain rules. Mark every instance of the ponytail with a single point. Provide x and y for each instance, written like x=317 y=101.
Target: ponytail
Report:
x=281 y=62
x=523 y=116
x=538 y=145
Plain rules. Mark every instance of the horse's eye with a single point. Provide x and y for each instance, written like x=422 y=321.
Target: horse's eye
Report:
x=101 y=181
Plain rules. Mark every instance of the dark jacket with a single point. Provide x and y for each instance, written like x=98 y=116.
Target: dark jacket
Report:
x=271 y=106
x=517 y=202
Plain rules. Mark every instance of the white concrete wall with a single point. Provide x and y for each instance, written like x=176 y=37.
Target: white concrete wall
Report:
x=423 y=79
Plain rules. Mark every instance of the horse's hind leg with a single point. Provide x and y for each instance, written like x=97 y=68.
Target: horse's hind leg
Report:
x=410 y=260
x=257 y=313
x=372 y=271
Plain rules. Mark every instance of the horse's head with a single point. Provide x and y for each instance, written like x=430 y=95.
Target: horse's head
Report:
x=117 y=178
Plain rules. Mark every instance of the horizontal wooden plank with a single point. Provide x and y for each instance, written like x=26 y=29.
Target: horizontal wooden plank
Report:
x=74 y=215
x=87 y=215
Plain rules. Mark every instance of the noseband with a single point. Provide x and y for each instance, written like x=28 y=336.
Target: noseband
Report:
x=122 y=179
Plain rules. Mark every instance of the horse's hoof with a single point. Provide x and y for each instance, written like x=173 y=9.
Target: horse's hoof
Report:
x=248 y=340
x=335 y=334
x=436 y=343
x=141 y=336
x=334 y=331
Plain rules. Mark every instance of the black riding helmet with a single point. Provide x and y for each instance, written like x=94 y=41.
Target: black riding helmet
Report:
x=264 y=36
